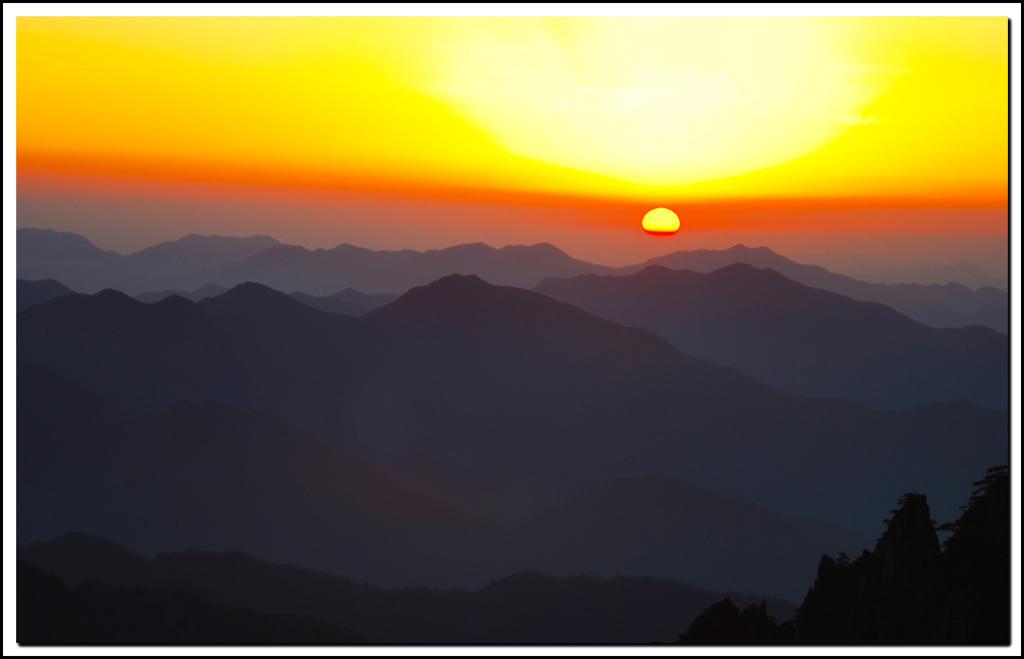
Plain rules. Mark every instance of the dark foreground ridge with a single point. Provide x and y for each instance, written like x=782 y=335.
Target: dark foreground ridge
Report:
x=526 y=607
x=908 y=591
x=50 y=613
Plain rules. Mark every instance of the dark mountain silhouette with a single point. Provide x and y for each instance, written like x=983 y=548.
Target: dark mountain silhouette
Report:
x=194 y=252
x=723 y=623
x=909 y=591
x=201 y=293
x=504 y=402
x=800 y=339
x=165 y=352
x=36 y=292
x=703 y=537
x=348 y=301
x=144 y=461
x=913 y=300
x=331 y=304
x=50 y=613
x=526 y=607
x=212 y=480
x=321 y=272
x=203 y=475
x=367 y=300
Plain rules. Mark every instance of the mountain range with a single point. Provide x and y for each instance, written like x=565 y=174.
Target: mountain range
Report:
x=871 y=270
x=503 y=402
x=800 y=339
x=206 y=476
x=718 y=427
x=526 y=607
x=949 y=305
x=195 y=261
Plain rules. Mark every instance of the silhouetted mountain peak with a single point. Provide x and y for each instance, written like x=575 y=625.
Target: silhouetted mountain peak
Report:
x=32 y=292
x=111 y=294
x=539 y=249
x=106 y=301
x=652 y=272
x=255 y=303
x=201 y=241
x=47 y=244
x=740 y=247
x=175 y=302
x=456 y=298
x=749 y=273
x=448 y=289
x=201 y=238
x=346 y=248
x=252 y=295
x=477 y=248
x=456 y=281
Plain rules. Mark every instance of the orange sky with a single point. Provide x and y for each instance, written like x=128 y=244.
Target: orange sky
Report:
x=877 y=125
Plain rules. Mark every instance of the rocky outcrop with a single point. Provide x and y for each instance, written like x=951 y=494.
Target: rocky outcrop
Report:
x=723 y=623
x=908 y=591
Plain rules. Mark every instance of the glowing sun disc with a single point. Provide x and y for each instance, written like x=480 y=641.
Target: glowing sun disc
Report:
x=661 y=222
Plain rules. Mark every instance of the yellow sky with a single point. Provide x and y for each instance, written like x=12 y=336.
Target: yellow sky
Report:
x=630 y=109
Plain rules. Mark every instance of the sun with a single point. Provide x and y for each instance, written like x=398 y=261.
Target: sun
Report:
x=661 y=222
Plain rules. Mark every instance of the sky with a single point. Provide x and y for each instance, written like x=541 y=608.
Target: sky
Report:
x=884 y=136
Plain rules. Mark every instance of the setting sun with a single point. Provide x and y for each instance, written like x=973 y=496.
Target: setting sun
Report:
x=661 y=222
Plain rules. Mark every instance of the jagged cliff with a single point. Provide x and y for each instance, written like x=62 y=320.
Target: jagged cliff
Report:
x=908 y=591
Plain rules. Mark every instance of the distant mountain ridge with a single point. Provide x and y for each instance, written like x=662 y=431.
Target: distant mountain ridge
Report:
x=195 y=252
x=913 y=300
x=323 y=271
x=799 y=339
x=878 y=272
x=194 y=261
